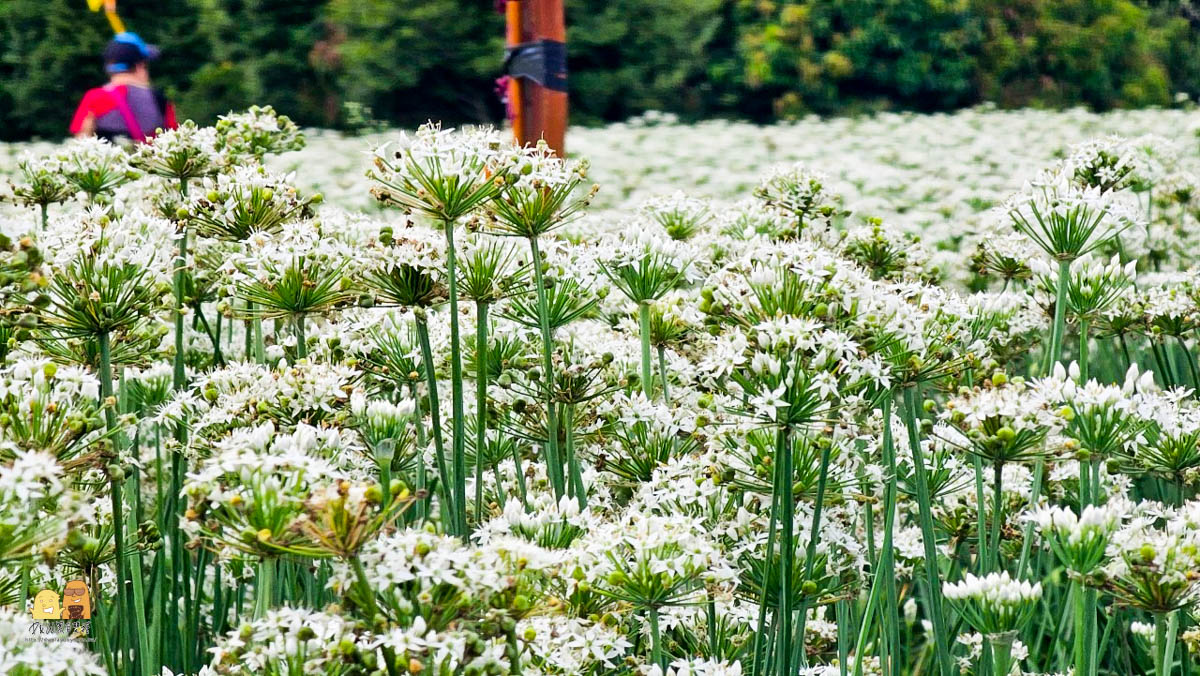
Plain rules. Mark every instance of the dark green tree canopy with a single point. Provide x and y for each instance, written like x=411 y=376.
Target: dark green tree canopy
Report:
x=337 y=63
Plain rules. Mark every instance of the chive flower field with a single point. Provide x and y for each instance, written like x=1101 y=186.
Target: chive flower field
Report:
x=893 y=395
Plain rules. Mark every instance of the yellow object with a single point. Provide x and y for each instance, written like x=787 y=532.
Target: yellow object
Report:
x=115 y=21
x=110 y=11
x=45 y=605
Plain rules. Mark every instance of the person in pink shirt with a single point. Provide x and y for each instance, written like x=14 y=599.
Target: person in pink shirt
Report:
x=127 y=108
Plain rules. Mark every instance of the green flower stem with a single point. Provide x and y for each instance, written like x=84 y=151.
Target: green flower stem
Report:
x=554 y=468
x=264 y=586
x=45 y=216
x=214 y=336
x=176 y=553
x=435 y=414
x=1090 y=632
x=385 y=480
x=662 y=373
x=102 y=628
x=1039 y=471
x=1085 y=482
x=180 y=282
x=459 y=451
x=810 y=553
x=575 y=485
x=146 y=653
x=841 y=615
x=260 y=346
x=997 y=513
x=1160 y=645
x=301 y=341
x=421 y=506
x=864 y=628
x=644 y=323
x=1191 y=361
x=1083 y=350
x=372 y=610
x=115 y=492
x=520 y=473
x=1060 y=313
x=711 y=619
x=1001 y=655
x=760 y=632
x=23 y=596
x=1169 y=644
x=1079 y=635
x=982 y=554
x=248 y=334
x=655 y=638
x=941 y=646
x=787 y=552
x=887 y=552
x=514 y=650
x=481 y=380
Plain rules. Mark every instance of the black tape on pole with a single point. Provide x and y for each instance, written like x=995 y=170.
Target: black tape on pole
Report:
x=542 y=61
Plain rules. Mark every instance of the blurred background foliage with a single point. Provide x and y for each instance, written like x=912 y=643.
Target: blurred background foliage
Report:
x=356 y=63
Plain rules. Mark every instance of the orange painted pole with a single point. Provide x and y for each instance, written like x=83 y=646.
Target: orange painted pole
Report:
x=513 y=38
x=540 y=108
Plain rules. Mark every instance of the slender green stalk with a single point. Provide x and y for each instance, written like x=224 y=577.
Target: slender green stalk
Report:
x=1083 y=350
x=372 y=609
x=1191 y=361
x=1058 y=328
x=260 y=345
x=887 y=552
x=385 y=479
x=23 y=596
x=115 y=492
x=982 y=553
x=997 y=513
x=264 y=587
x=180 y=282
x=554 y=468
x=928 y=535
x=45 y=216
x=810 y=553
x=1169 y=644
x=711 y=619
x=787 y=552
x=1039 y=471
x=1079 y=636
x=1160 y=645
x=864 y=628
x=481 y=379
x=841 y=612
x=301 y=341
x=435 y=414
x=655 y=638
x=1001 y=655
x=418 y=418
x=146 y=654
x=760 y=631
x=575 y=483
x=644 y=323
x=662 y=373
x=459 y=450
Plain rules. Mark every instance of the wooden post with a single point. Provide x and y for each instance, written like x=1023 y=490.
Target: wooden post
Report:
x=539 y=112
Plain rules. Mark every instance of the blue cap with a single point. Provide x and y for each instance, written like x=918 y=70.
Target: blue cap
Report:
x=125 y=51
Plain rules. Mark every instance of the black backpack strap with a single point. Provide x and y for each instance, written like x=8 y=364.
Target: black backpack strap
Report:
x=160 y=100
